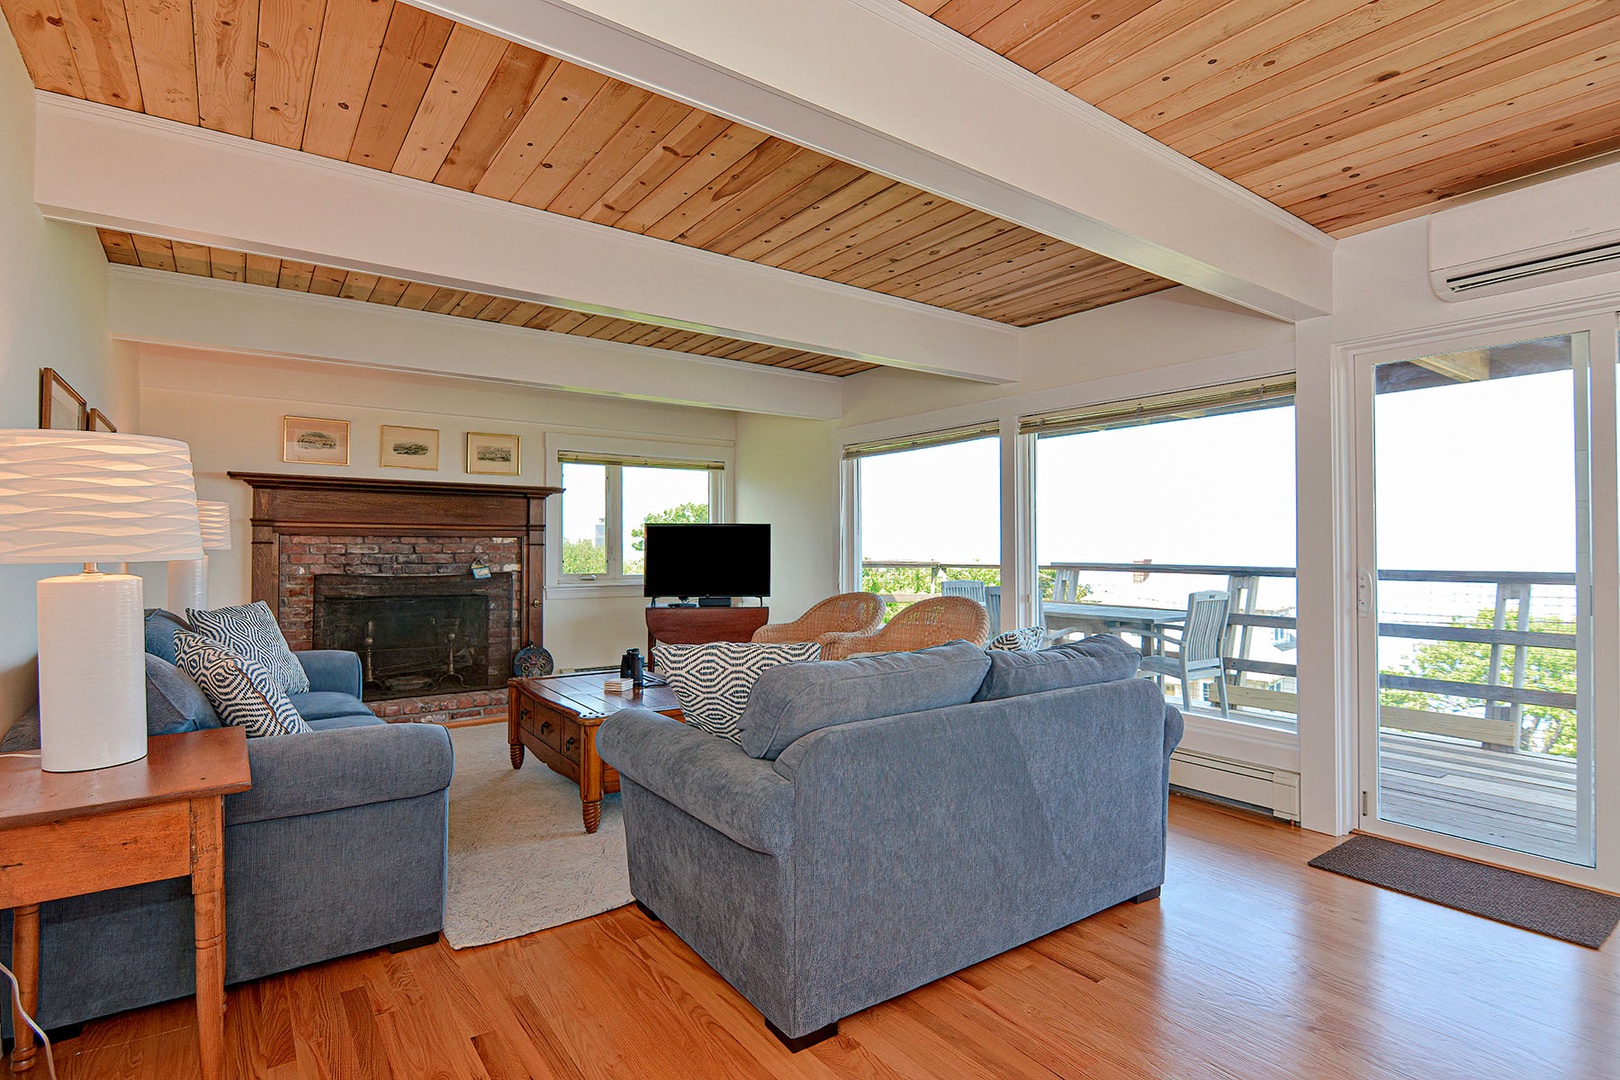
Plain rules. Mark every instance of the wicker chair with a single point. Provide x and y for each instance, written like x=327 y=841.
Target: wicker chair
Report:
x=935 y=621
x=847 y=613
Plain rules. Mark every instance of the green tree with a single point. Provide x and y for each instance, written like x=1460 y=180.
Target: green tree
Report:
x=583 y=557
x=1543 y=728
x=690 y=513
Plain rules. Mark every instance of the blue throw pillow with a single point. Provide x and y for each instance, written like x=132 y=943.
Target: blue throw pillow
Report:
x=791 y=702
x=1099 y=659
x=160 y=628
x=174 y=703
x=242 y=691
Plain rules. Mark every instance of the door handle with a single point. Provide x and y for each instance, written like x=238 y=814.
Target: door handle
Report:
x=1364 y=588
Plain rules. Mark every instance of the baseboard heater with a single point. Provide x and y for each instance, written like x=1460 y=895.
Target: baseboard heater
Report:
x=1275 y=791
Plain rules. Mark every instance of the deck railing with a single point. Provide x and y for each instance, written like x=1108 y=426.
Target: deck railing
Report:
x=1256 y=685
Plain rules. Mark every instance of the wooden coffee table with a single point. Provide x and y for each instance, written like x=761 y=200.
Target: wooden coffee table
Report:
x=556 y=718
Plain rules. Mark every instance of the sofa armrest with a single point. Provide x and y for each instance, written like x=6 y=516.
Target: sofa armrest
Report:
x=707 y=777
x=339 y=768
x=333 y=670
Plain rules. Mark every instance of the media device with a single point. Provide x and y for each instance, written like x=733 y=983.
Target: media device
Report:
x=707 y=561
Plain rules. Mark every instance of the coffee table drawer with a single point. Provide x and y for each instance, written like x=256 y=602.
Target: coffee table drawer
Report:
x=569 y=738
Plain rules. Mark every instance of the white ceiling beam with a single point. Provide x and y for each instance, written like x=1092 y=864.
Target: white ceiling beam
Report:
x=162 y=308
x=106 y=167
x=879 y=84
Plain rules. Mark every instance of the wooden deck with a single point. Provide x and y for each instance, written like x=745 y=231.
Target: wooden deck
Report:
x=1523 y=802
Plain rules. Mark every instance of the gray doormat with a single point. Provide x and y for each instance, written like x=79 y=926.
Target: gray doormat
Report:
x=1572 y=914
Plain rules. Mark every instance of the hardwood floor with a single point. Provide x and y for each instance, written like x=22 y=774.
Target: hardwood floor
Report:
x=1251 y=967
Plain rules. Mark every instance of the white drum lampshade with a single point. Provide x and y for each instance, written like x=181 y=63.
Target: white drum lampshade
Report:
x=188 y=578
x=88 y=497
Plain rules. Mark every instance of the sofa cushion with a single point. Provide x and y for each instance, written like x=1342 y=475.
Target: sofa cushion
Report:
x=1024 y=639
x=160 y=628
x=713 y=681
x=1099 y=659
x=173 y=702
x=240 y=690
x=250 y=631
x=790 y=702
x=348 y=720
x=322 y=704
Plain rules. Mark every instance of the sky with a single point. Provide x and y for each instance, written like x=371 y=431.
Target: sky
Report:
x=1468 y=476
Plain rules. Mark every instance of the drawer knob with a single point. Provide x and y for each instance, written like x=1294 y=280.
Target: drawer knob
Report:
x=545 y=728
x=569 y=745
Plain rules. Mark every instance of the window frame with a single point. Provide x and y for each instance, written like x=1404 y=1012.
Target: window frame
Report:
x=852 y=568
x=615 y=454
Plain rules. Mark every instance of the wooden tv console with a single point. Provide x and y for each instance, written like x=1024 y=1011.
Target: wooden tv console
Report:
x=698 y=625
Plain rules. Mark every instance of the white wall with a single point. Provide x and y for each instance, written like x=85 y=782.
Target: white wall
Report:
x=229 y=408
x=787 y=476
x=53 y=306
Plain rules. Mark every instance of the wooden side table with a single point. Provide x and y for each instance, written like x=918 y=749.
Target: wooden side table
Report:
x=701 y=625
x=65 y=834
x=556 y=719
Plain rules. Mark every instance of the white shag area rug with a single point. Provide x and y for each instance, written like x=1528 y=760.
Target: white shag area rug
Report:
x=520 y=859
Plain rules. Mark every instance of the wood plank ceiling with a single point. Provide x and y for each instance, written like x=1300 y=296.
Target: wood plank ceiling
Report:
x=1346 y=113
x=388 y=86
x=220 y=264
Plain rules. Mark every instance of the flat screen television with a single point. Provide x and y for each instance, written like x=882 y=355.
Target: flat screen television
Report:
x=707 y=560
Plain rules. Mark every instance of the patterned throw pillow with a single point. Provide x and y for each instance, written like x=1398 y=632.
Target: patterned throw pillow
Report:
x=712 y=681
x=241 y=691
x=251 y=632
x=1024 y=639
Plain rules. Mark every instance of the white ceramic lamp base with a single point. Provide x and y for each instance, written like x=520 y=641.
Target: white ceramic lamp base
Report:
x=188 y=585
x=92 y=672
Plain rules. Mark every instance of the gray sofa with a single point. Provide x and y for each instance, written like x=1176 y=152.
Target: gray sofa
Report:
x=889 y=820
x=341 y=845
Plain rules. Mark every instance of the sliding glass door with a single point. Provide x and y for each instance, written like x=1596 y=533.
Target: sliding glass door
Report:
x=1475 y=594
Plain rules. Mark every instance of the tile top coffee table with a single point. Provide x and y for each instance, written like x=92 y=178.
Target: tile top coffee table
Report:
x=555 y=718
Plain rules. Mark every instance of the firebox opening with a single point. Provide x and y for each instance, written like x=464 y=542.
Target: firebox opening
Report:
x=415 y=637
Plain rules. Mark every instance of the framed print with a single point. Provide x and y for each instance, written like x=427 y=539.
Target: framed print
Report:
x=313 y=441
x=409 y=447
x=98 y=421
x=60 y=406
x=496 y=455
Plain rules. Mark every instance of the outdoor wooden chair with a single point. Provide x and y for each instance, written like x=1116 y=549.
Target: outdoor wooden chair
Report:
x=937 y=620
x=973 y=590
x=846 y=613
x=1198 y=647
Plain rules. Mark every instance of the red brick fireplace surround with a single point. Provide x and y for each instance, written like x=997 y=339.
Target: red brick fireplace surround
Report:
x=415 y=541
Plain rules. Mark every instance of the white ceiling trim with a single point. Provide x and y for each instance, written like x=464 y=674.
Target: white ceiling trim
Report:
x=878 y=84
x=161 y=308
x=101 y=166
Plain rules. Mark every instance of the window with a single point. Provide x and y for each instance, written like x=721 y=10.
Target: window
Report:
x=607 y=501
x=928 y=511
x=1139 y=504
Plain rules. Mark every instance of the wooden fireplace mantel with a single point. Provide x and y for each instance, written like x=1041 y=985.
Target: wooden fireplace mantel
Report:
x=286 y=503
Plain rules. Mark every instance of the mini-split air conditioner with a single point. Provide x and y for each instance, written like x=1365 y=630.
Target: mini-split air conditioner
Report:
x=1558 y=230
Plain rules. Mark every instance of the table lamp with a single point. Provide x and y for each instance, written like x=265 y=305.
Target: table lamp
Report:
x=88 y=497
x=188 y=578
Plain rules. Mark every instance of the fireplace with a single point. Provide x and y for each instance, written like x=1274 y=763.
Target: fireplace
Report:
x=386 y=569
x=418 y=635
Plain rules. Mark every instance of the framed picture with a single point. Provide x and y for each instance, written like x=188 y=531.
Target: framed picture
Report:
x=496 y=455
x=98 y=421
x=313 y=441
x=409 y=447
x=60 y=406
